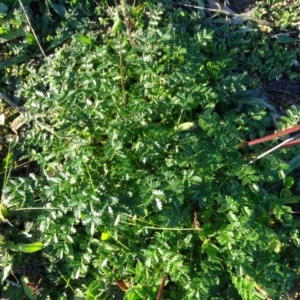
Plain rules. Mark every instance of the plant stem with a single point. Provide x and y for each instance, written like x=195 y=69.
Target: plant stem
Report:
x=121 y=71
x=126 y=21
x=161 y=288
x=33 y=32
x=270 y=137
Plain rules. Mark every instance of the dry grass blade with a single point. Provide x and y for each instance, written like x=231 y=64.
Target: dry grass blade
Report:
x=229 y=13
x=33 y=32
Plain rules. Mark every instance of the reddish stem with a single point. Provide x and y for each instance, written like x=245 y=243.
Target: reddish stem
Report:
x=273 y=136
x=293 y=143
x=161 y=288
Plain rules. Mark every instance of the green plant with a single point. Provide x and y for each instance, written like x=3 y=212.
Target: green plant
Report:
x=12 y=239
x=139 y=173
x=284 y=14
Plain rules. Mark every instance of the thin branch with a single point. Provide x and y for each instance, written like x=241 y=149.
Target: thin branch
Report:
x=28 y=21
x=172 y=229
x=126 y=20
x=273 y=149
x=290 y=144
x=36 y=208
x=270 y=137
x=121 y=71
x=161 y=288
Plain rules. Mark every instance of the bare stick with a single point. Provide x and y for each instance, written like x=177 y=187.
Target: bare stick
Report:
x=270 y=137
x=273 y=149
x=27 y=19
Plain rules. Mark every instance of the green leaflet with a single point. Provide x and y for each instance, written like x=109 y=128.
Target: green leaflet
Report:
x=26 y=248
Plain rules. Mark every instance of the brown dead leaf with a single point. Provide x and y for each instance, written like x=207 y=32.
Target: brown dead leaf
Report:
x=123 y=285
x=17 y=123
x=196 y=221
